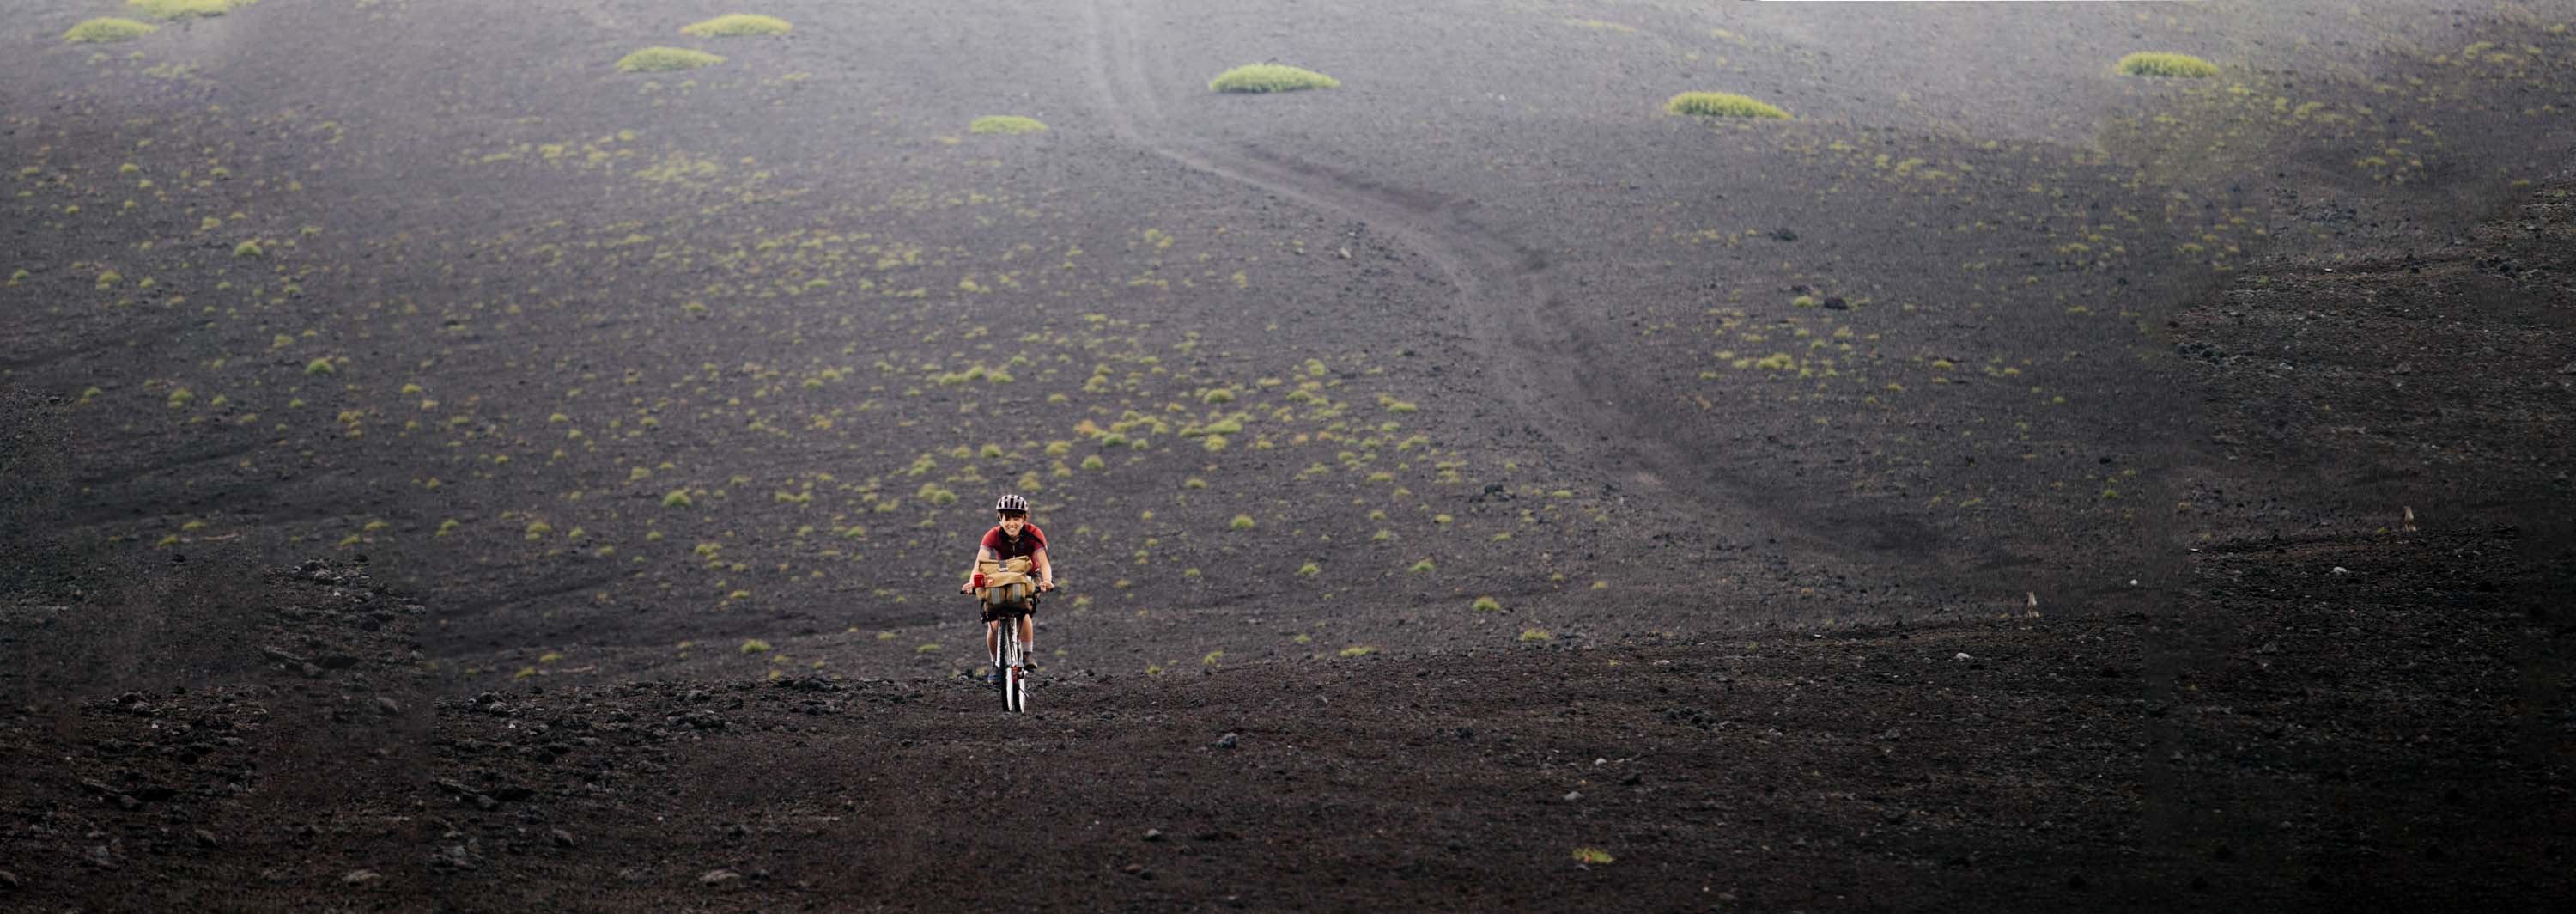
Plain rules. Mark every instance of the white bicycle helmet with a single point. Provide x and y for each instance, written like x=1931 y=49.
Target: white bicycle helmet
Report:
x=1012 y=502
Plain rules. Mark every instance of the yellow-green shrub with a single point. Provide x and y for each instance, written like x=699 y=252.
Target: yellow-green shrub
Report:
x=181 y=9
x=104 y=31
x=2160 y=63
x=737 y=24
x=1721 y=104
x=1005 y=123
x=1270 y=77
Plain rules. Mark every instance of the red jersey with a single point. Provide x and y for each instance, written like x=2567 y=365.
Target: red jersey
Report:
x=1031 y=540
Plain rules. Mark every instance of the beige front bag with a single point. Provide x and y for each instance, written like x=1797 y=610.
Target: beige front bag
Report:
x=1007 y=585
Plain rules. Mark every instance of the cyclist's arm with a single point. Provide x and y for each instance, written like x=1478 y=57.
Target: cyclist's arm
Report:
x=1046 y=572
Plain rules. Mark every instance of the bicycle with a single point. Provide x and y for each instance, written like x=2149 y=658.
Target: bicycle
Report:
x=1010 y=655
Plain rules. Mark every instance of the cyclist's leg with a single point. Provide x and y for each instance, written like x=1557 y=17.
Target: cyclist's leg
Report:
x=992 y=641
x=1029 y=634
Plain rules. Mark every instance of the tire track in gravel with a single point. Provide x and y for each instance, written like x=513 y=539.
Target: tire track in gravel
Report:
x=1523 y=354
x=1553 y=375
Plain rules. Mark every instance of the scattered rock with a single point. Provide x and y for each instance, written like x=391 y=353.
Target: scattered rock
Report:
x=1573 y=795
x=455 y=856
x=1962 y=656
x=1836 y=303
x=718 y=877
x=561 y=838
x=388 y=707
x=205 y=838
x=1153 y=834
x=9 y=880
x=1228 y=741
x=360 y=877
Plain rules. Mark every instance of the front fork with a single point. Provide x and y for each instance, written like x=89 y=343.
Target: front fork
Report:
x=1008 y=628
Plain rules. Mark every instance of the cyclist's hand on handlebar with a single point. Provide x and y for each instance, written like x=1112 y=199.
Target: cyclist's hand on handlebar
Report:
x=1044 y=586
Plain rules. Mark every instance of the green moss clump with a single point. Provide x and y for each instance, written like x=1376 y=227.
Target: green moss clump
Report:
x=658 y=59
x=247 y=249
x=104 y=31
x=2159 y=63
x=1005 y=123
x=1721 y=104
x=320 y=366
x=738 y=24
x=182 y=9
x=1270 y=77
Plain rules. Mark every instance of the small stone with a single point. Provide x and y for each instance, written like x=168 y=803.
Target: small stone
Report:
x=1573 y=795
x=10 y=880
x=1133 y=869
x=1228 y=741
x=1153 y=834
x=359 y=877
x=309 y=671
x=718 y=877
x=388 y=707
x=561 y=838
x=1836 y=303
x=1962 y=656
x=2342 y=570
x=205 y=838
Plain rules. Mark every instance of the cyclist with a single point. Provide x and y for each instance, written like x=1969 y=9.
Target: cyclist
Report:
x=1013 y=537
